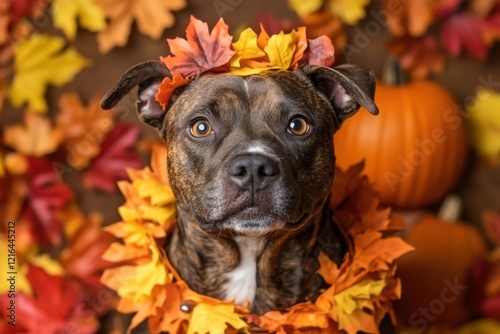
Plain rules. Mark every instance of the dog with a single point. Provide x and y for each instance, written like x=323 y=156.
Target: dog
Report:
x=251 y=163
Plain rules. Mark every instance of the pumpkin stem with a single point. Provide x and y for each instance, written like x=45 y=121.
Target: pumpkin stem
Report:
x=392 y=74
x=451 y=209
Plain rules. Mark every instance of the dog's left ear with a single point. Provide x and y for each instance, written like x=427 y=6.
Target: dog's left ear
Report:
x=347 y=87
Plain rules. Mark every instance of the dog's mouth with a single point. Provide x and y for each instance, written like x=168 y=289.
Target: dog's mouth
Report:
x=253 y=221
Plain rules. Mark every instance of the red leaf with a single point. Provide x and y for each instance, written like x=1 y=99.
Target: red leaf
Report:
x=202 y=51
x=321 y=51
x=109 y=166
x=47 y=196
x=57 y=307
x=464 y=32
x=491 y=307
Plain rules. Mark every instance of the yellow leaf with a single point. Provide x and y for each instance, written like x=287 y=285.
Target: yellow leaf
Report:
x=22 y=284
x=66 y=14
x=351 y=302
x=246 y=46
x=48 y=264
x=213 y=319
x=38 y=62
x=280 y=49
x=349 y=11
x=137 y=282
x=480 y=326
x=304 y=8
x=160 y=194
x=485 y=120
x=37 y=138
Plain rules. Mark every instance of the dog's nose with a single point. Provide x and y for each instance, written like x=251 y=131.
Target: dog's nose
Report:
x=253 y=171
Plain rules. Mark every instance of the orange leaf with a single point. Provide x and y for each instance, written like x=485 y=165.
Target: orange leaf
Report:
x=37 y=138
x=201 y=51
x=168 y=86
x=152 y=17
x=83 y=128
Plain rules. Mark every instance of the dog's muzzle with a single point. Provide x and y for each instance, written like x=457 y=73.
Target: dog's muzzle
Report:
x=252 y=172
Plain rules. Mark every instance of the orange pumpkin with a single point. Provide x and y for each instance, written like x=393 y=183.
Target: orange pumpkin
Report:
x=433 y=276
x=414 y=150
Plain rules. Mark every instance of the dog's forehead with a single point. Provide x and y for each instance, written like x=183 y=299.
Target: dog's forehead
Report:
x=255 y=93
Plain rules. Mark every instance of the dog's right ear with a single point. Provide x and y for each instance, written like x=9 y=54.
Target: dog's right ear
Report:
x=147 y=76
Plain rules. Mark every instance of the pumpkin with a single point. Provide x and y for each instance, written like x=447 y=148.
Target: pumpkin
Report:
x=434 y=275
x=415 y=150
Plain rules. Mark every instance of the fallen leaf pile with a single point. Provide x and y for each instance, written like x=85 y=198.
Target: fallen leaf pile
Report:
x=360 y=292
x=213 y=52
x=59 y=249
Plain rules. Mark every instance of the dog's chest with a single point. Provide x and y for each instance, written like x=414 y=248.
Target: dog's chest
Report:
x=241 y=282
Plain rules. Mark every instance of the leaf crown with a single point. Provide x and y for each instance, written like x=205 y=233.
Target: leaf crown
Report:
x=204 y=52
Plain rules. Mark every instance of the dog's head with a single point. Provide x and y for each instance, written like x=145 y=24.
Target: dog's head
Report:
x=251 y=154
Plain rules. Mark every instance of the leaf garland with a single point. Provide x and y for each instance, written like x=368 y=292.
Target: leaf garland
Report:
x=360 y=292
x=213 y=52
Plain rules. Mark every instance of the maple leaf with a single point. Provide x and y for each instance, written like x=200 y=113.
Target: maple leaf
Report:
x=38 y=62
x=83 y=256
x=55 y=307
x=201 y=51
x=83 y=128
x=136 y=282
x=114 y=158
x=349 y=11
x=151 y=16
x=207 y=318
x=352 y=302
x=321 y=51
x=47 y=196
x=419 y=56
x=37 y=138
x=89 y=15
x=280 y=49
x=463 y=32
x=167 y=87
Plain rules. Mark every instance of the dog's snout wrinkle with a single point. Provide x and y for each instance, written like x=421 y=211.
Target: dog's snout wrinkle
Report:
x=253 y=171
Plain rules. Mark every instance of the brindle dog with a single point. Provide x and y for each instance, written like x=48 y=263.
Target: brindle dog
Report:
x=251 y=163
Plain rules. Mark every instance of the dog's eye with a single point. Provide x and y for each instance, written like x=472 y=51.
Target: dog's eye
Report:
x=201 y=128
x=298 y=126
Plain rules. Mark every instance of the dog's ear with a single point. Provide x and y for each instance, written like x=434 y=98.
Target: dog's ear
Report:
x=147 y=76
x=347 y=87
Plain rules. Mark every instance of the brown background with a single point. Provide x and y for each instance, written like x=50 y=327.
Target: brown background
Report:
x=480 y=187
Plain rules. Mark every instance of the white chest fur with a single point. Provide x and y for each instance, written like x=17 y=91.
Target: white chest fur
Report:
x=242 y=281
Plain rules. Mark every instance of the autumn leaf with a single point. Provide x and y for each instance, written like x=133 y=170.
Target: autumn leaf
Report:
x=280 y=49
x=39 y=61
x=353 y=302
x=303 y=8
x=201 y=51
x=485 y=122
x=463 y=32
x=214 y=319
x=83 y=128
x=152 y=18
x=47 y=197
x=418 y=56
x=87 y=12
x=116 y=155
x=321 y=51
x=349 y=11
x=37 y=138
x=246 y=46
x=136 y=282
x=167 y=88
x=57 y=307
